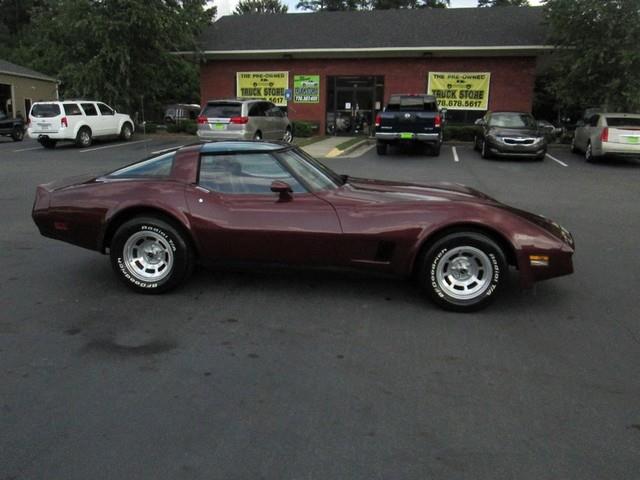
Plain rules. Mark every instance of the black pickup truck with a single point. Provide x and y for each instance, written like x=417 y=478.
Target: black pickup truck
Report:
x=410 y=118
x=11 y=127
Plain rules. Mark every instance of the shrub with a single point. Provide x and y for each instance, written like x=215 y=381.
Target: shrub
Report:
x=465 y=133
x=303 y=128
x=189 y=127
x=148 y=127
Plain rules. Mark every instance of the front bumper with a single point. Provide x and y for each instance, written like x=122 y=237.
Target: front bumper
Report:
x=500 y=149
x=397 y=136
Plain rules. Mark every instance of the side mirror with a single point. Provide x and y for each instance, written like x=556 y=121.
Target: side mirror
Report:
x=479 y=122
x=282 y=188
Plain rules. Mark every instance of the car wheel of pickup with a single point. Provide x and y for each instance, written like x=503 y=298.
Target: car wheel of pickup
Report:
x=381 y=148
x=150 y=255
x=18 y=134
x=83 y=138
x=126 y=132
x=434 y=150
x=463 y=271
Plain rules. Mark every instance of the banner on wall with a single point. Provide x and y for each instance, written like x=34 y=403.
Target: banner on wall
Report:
x=460 y=90
x=306 y=88
x=264 y=85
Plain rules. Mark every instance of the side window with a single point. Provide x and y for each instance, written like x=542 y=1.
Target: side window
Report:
x=593 y=121
x=71 y=109
x=274 y=111
x=89 y=109
x=153 y=167
x=257 y=110
x=104 y=110
x=243 y=174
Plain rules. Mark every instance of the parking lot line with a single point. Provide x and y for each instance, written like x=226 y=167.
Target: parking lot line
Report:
x=166 y=149
x=455 y=154
x=27 y=149
x=114 y=146
x=557 y=161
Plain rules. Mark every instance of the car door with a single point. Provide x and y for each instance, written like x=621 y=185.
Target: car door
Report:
x=258 y=119
x=236 y=216
x=92 y=118
x=108 y=119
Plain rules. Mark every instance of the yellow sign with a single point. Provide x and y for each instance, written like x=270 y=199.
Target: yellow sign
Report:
x=460 y=90
x=264 y=85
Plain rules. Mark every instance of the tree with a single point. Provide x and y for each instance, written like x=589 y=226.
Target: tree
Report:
x=120 y=51
x=597 y=59
x=260 y=6
x=333 y=5
x=502 y=3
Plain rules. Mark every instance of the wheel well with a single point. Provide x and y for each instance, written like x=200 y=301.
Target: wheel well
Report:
x=128 y=214
x=501 y=241
x=85 y=127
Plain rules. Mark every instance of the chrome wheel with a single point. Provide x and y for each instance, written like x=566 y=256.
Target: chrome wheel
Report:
x=464 y=273
x=588 y=153
x=288 y=136
x=148 y=256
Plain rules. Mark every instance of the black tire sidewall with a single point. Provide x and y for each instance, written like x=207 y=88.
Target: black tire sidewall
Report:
x=79 y=141
x=182 y=264
x=433 y=256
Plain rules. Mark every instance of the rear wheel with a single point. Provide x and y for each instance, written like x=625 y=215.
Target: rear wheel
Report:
x=150 y=255
x=288 y=136
x=17 y=134
x=588 y=154
x=83 y=138
x=463 y=271
x=381 y=148
x=257 y=135
x=484 y=150
x=48 y=143
x=434 y=150
x=126 y=132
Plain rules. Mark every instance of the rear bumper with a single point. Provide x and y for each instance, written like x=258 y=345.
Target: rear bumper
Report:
x=622 y=149
x=219 y=135
x=59 y=135
x=416 y=137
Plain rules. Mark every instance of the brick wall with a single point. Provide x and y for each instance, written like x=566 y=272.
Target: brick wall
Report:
x=512 y=78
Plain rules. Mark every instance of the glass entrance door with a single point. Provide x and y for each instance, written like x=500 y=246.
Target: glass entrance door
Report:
x=352 y=104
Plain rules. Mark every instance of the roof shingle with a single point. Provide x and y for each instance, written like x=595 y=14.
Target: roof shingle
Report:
x=13 y=69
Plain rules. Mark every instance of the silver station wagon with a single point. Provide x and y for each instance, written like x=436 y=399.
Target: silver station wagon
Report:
x=243 y=120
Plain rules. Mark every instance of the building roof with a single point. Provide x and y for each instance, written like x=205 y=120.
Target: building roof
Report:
x=9 y=68
x=437 y=31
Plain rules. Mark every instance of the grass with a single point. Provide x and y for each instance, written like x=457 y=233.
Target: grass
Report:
x=348 y=143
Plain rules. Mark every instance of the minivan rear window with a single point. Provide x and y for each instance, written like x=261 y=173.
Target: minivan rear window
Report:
x=222 y=110
x=623 y=122
x=45 y=110
x=72 y=109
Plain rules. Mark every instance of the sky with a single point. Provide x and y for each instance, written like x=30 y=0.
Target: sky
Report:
x=225 y=7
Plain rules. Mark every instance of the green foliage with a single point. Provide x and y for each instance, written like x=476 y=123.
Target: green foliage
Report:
x=148 y=127
x=304 y=128
x=189 y=127
x=118 y=51
x=465 y=133
x=597 y=62
x=333 y=5
x=502 y=3
x=260 y=6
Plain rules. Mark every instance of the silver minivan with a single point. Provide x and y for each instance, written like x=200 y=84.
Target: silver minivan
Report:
x=243 y=120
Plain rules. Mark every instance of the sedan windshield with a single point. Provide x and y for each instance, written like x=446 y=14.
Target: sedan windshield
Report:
x=512 y=120
x=312 y=172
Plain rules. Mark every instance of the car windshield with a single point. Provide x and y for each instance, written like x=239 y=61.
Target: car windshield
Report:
x=623 y=122
x=512 y=120
x=45 y=110
x=312 y=172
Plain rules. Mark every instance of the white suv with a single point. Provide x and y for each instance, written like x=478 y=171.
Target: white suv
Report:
x=77 y=120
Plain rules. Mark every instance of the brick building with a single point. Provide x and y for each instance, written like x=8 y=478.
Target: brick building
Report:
x=341 y=67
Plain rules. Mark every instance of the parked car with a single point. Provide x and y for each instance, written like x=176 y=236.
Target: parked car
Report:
x=409 y=119
x=181 y=111
x=510 y=134
x=607 y=134
x=11 y=127
x=271 y=202
x=238 y=119
x=79 y=121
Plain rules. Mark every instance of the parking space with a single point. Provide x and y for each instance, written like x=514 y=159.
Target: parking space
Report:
x=285 y=374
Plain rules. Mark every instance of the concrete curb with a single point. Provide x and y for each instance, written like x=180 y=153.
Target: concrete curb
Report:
x=337 y=152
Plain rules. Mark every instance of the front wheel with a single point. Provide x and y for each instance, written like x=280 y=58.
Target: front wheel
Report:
x=126 y=132
x=18 y=134
x=463 y=271
x=588 y=154
x=150 y=255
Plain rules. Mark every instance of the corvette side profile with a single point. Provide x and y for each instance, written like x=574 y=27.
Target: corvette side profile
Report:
x=270 y=202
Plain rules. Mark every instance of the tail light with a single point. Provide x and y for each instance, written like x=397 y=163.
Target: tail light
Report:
x=63 y=122
x=202 y=119
x=239 y=120
x=378 y=120
x=437 y=121
x=604 y=136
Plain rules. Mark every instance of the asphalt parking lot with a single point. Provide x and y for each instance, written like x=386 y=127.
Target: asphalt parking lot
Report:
x=279 y=374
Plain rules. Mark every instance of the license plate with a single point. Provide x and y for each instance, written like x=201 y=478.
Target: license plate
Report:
x=219 y=126
x=44 y=126
x=634 y=140
x=406 y=136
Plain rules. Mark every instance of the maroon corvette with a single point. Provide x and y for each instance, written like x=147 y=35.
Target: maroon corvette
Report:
x=271 y=202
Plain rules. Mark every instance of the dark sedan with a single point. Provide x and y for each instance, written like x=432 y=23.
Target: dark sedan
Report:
x=271 y=202
x=510 y=134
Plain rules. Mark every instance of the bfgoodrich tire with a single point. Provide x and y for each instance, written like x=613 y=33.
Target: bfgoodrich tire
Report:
x=463 y=271
x=150 y=255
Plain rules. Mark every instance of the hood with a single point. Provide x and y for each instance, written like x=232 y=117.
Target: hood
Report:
x=400 y=191
x=514 y=132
